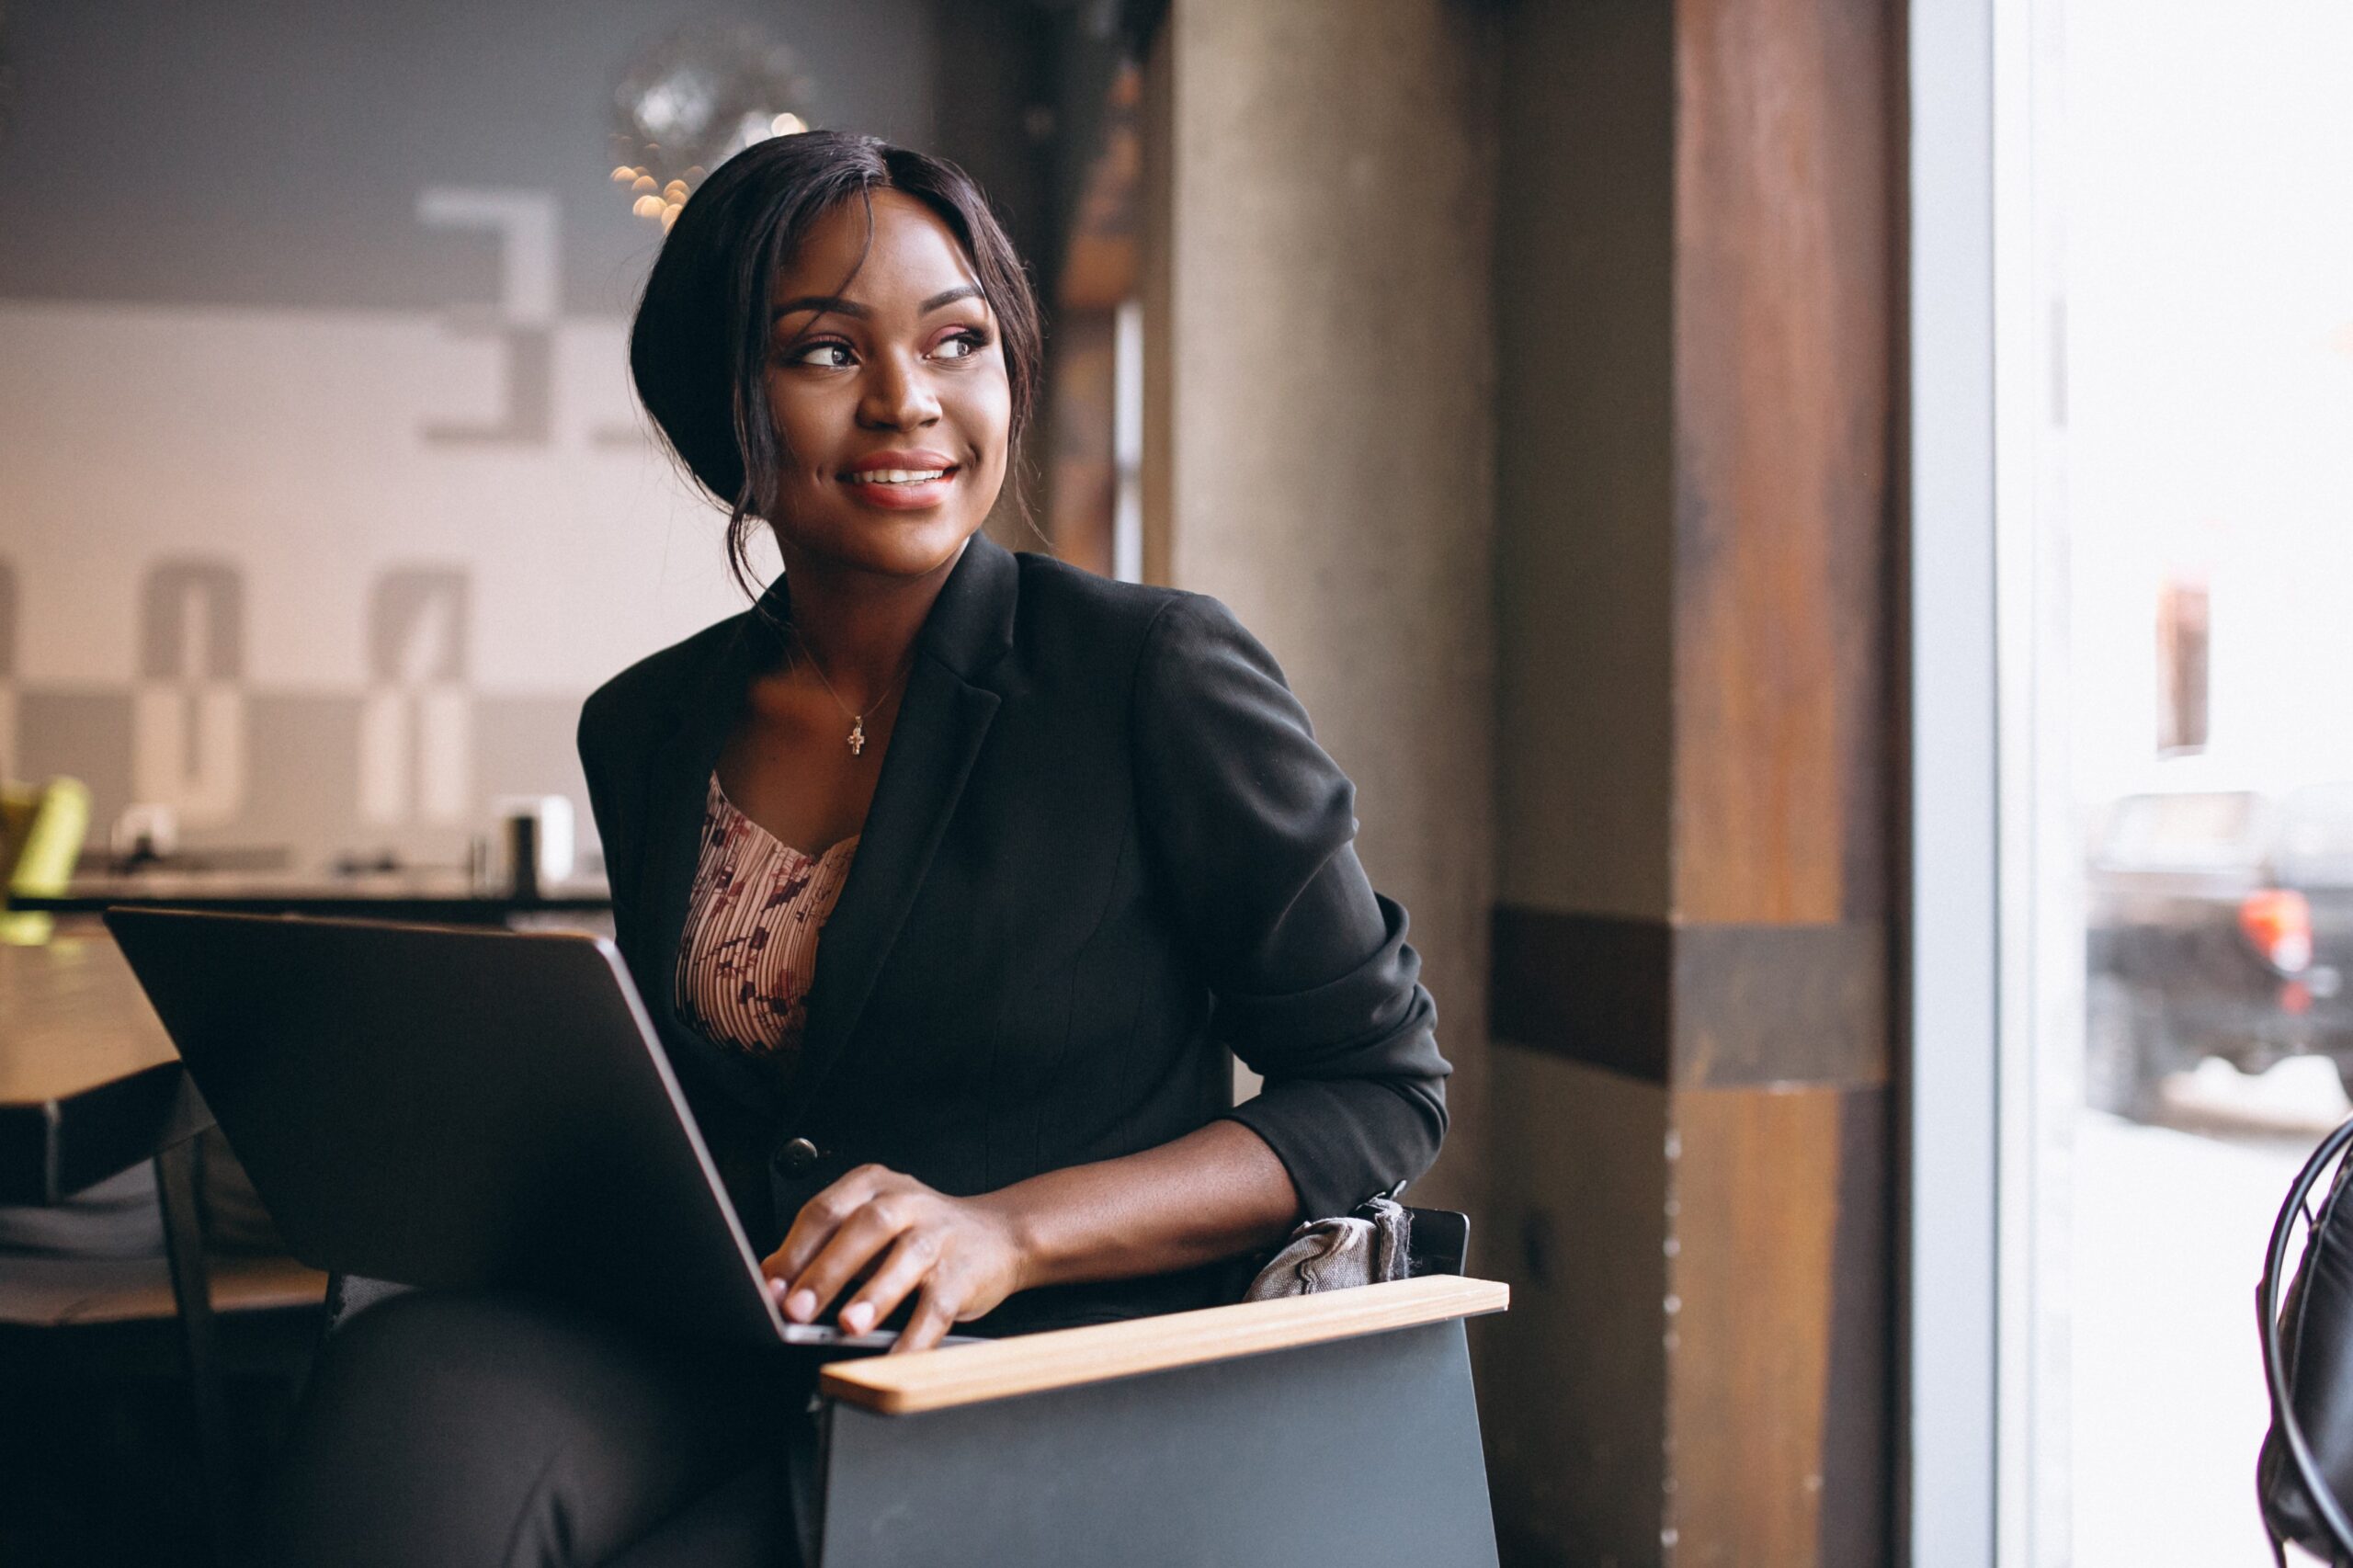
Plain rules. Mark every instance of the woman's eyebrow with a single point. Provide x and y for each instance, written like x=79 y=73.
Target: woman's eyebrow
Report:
x=834 y=305
x=824 y=305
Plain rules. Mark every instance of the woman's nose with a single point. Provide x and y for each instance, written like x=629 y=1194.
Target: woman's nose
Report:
x=898 y=396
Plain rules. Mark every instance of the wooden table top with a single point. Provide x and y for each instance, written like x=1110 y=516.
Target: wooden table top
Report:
x=72 y=1019
x=89 y=1083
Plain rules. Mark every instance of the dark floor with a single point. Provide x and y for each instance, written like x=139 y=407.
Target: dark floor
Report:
x=99 y=1463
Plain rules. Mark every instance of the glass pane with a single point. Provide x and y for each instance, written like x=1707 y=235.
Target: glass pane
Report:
x=2188 y=463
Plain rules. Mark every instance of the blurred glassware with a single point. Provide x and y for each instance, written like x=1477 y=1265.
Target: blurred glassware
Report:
x=547 y=857
x=145 y=831
x=41 y=837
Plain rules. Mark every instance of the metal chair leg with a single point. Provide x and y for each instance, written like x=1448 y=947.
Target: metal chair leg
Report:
x=176 y=1179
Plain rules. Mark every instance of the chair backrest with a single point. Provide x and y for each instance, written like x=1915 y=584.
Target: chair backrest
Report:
x=1440 y=1243
x=2308 y=1367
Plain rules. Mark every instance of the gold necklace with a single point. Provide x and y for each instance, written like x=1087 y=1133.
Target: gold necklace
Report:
x=857 y=718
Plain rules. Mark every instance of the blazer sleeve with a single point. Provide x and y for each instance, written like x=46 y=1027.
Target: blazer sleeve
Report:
x=616 y=821
x=1253 y=829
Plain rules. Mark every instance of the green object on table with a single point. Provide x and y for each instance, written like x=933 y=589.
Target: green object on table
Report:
x=41 y=837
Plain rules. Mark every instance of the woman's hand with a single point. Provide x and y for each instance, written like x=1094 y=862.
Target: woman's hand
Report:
x=960 y=1256
x=1216 y=1191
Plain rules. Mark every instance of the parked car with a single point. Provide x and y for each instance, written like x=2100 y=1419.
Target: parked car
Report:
x=2219 y=924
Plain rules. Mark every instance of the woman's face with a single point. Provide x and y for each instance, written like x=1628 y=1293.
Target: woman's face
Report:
x=889 y=390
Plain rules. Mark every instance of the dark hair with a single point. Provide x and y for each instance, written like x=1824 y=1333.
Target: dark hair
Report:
x=699 y=348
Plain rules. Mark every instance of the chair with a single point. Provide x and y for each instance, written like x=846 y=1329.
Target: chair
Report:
x=116 y=1284
x=2305 y=1468
x=1315 y=1431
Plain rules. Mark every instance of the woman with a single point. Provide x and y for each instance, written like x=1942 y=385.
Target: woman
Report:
x=949 y=877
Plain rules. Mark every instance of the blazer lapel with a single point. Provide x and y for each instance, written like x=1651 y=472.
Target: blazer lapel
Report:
x=943 y=720
x=677 y=791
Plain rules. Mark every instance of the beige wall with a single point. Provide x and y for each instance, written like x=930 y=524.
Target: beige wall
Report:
x=324 y=496
x=1320 y=296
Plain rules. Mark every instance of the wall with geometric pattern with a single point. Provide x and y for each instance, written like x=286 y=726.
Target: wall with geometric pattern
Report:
x=324 y=499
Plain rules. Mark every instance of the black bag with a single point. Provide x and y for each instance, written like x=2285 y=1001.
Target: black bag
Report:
x=2307 y=1461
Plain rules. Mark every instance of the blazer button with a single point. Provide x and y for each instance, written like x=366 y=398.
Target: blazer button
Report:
x=798 y=1155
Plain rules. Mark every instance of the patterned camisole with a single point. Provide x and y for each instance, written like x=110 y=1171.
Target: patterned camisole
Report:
x=750 y=948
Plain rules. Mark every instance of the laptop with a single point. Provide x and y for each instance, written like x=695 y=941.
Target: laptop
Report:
x=459 y=1109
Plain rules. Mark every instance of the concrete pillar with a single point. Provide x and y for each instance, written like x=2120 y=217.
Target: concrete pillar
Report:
x=1319 y=422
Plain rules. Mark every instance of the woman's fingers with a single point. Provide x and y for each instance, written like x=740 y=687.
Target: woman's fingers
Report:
x=875 y=1237
x=856 y=1241
x=910 y=1260
x=820 y=1217
x=935 y=1314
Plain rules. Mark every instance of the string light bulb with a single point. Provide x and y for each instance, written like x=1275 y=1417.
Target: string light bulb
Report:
x=693 y=99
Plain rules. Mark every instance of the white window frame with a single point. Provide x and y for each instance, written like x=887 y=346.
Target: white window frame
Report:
x=1966 y=1093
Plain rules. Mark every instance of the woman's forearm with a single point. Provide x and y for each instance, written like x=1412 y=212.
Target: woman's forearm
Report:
x=1209 y=1195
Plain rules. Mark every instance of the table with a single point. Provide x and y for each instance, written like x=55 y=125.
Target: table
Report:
x=443 y=898
x=89 y=1083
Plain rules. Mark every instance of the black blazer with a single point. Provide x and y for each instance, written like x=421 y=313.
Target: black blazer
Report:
x=1104 y=847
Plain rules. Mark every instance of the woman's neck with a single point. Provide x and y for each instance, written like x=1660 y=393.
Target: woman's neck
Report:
x=860 y=627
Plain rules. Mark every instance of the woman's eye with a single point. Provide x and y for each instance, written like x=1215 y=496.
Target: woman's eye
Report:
x=824 y=356
x=963 y=346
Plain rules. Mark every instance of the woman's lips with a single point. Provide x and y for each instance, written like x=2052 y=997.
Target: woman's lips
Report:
x=910 y=488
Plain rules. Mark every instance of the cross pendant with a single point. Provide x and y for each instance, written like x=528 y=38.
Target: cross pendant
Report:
x=857 y=734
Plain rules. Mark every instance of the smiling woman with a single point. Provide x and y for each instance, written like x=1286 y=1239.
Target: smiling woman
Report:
x=851 y=385
x=769 y=277
x=950 y=878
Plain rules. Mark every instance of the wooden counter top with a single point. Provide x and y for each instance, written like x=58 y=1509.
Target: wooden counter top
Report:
x=437 y=897
x=89 y=1083
x=72 y=1017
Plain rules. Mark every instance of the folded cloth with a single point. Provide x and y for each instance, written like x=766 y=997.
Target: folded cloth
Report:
x=1367 y=1247
x=119 y=1217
